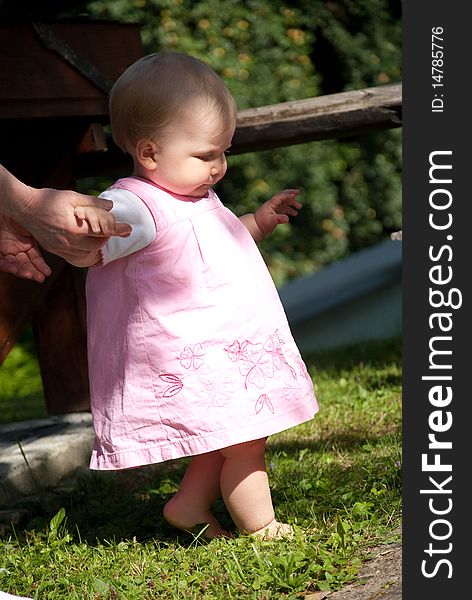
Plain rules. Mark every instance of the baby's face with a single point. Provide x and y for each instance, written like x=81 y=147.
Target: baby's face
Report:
x=192 y=159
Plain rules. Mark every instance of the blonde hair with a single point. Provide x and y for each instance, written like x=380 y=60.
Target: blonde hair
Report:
x=153 y=92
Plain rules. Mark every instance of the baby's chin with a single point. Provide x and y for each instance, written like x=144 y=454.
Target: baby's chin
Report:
x=198 y=192
x=201 y=191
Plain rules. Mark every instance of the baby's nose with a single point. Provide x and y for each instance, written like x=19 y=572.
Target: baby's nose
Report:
x=216 y=168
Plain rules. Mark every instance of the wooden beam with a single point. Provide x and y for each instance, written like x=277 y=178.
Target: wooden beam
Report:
x=60 y=331
x=57 y=310
x=38 y=82
x=324 y=117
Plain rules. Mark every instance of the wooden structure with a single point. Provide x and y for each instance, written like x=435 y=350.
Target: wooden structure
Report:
x=324 y=117
x=53 y=102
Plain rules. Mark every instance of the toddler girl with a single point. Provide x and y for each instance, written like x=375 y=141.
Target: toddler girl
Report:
x=190 y=352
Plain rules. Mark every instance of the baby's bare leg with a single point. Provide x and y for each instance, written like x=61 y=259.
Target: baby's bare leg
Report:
x=200 y=487
x=245 y=490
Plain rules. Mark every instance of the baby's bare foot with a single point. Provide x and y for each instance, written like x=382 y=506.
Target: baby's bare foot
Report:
x=273 y=531
x=187 y=518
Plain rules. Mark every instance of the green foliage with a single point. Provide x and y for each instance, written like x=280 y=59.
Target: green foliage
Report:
x=21 y=390
x=273 y=51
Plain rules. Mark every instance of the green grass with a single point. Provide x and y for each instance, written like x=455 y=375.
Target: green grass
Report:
x=337 y=479
x=21 y=388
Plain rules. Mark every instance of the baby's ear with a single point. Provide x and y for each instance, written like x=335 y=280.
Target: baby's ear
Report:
x=146 y=154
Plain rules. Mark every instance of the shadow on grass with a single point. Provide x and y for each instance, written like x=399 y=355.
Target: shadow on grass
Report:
x=112 y=507
x=119 y=506
x=372 y=353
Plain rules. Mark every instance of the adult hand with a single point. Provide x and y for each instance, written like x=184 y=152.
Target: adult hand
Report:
x=46 y=217
x=49 y=215
x=19 y=253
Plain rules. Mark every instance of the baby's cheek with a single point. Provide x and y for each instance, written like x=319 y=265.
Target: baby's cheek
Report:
x=223 y=171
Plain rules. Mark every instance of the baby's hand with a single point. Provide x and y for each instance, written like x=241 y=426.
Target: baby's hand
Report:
x=98 y=219
x=277 y=210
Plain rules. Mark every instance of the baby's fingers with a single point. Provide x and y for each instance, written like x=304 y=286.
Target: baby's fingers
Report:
x=85 y=213
x=106 y=222
x=79 y=212
x=286 y=198
x=289 y=209
x=99 y=221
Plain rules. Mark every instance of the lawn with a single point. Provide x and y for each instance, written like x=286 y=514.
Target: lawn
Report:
x=337 y=479
x=21 y=391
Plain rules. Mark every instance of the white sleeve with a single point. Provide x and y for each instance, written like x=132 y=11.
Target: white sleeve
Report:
x=128 y=208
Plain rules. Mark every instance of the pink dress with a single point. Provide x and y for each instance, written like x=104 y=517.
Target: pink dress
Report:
x=188 y=344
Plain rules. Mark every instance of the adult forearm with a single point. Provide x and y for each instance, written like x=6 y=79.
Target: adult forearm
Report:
x=14 y=195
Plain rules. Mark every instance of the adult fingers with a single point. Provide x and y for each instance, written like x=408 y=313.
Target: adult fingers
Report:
x=82 y=200
x=38 y=263
x=22 y=268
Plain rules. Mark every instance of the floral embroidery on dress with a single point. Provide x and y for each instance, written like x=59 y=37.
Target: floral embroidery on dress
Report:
x=256 y=366
x=302 y=368
x=273 y=346
x=175 y=387
x=216 y=393
x=291 y=394
x=257 y=361
x=237 y=350
x=262 y=401
x=292 y=371
x=192 y=357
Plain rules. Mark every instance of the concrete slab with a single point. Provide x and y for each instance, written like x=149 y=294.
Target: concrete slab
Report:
x=42 y=453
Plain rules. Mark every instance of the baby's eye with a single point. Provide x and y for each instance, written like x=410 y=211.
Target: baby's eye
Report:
x=206 y=158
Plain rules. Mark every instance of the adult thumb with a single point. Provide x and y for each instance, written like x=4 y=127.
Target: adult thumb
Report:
x=102 y=203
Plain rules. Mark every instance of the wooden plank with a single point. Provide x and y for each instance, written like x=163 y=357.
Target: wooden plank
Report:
x=60 y=332
x=57 y=310
x=38 y=82
x=323 y=117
